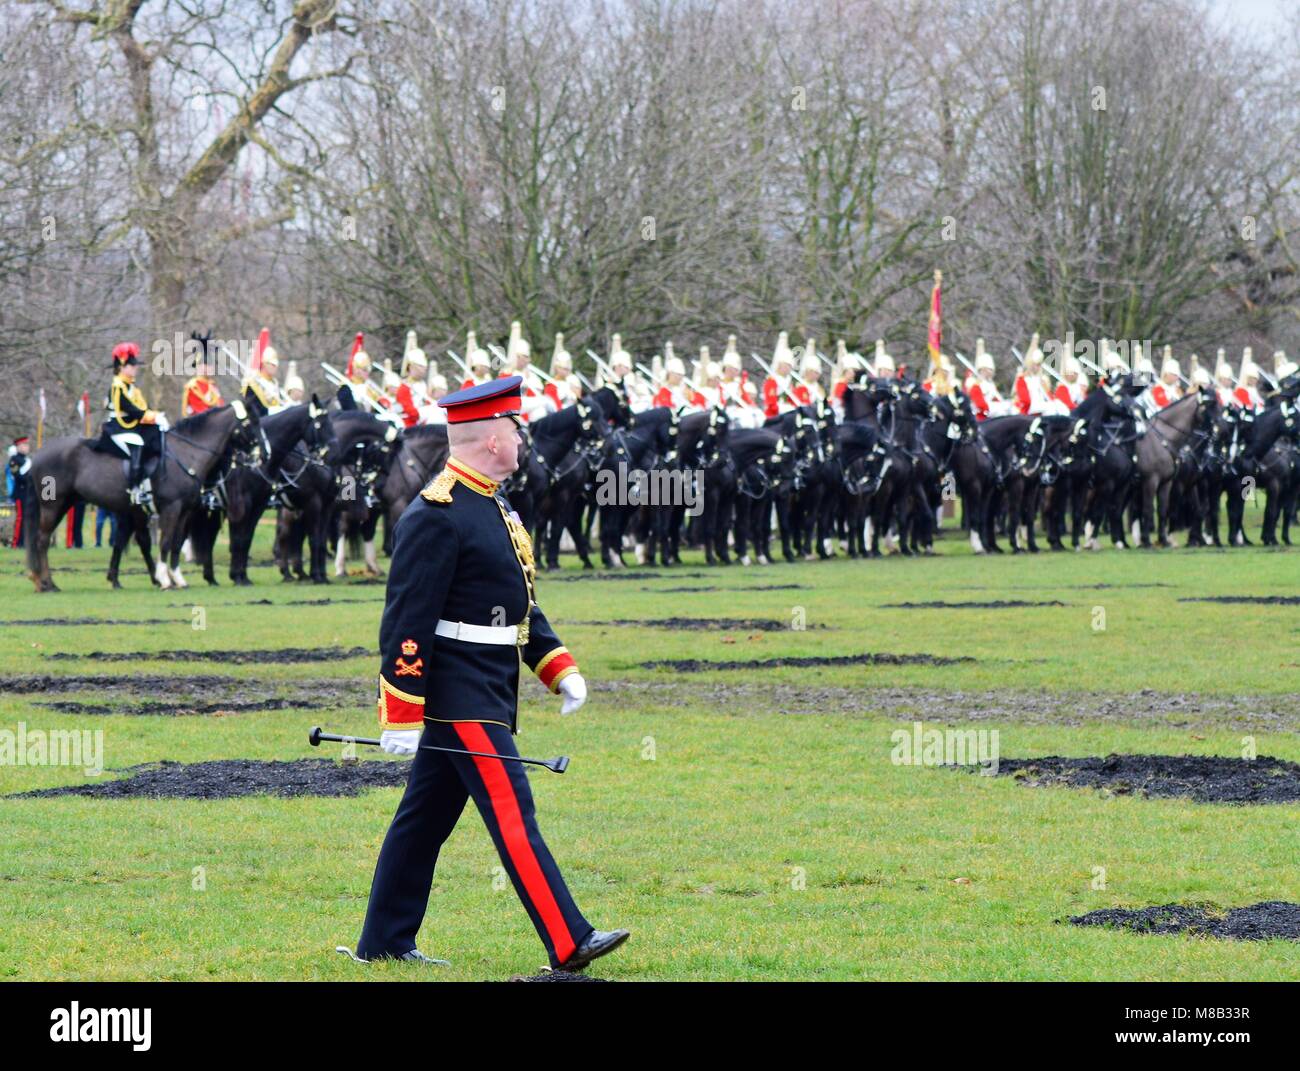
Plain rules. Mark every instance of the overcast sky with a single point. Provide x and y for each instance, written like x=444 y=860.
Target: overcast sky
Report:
x=1252 y=15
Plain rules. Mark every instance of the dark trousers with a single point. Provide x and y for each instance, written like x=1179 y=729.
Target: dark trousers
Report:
x=103 y=515
x=436 y=793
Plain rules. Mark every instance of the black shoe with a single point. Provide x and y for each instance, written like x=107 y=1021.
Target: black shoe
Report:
x=596 y=945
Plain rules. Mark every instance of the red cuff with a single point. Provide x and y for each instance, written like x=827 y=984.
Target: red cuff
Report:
x=554 y=666
x=399 y=709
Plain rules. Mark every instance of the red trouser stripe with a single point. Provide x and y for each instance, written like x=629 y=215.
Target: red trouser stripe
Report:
x=511 y=821
x=18 y=524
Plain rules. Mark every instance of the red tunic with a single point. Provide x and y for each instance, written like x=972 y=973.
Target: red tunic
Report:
x=201 y=394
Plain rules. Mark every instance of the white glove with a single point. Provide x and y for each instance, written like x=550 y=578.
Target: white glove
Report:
x=162 y=422
x=574 y=690
x=400 y=741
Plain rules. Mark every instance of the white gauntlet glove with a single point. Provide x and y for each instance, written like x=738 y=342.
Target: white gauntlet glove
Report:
x=400 y=741
x=574 y=690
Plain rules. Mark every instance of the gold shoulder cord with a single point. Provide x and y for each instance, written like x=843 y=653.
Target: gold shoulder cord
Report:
x=439 y=488
x=523 y=546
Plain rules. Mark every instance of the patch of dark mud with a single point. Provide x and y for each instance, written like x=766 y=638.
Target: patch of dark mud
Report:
x=755 y=587
x=880 y=658
x=557 y=976
x=228 y=778
x=46 y=622
x=711 y=624
x=188 y=708
x=635 y=574
x=1254 y=600
x=993 y=604
x=1250 y=713
x=280 y=656
x=1200 y=778
x=1258 y=922
x=136 y=684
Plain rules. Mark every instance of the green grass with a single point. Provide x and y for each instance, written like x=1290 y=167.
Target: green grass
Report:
x=756 y=844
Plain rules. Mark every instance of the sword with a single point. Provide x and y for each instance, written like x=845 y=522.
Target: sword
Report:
x=464 y=368
x=556 y=765
x=969 y=367
x=768 y=369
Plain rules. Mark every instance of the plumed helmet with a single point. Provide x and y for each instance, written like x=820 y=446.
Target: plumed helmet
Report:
x=1223 y=371
x=782 y=351
x=884 y=363
x=293 y=381
x=1070 y=366
x=561 y=358
x=413 y=356
x=1033 y=355
x=270 y=358
x=1200 y=377
x=391 y=379
x=1285 y=369
x=810 y=363
x=618 y=356
x=674 y=364
x=1249 y=370
x=712 y=372
x=731 y=350
x=983 y=359
x=1171 y=367
x=437 y=381
x=360 y=360
x=125 y=352
x=731 y=359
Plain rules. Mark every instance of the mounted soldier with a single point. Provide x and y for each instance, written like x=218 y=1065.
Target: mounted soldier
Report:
x=883 y=367
x=294 y=388
x=201 y=392
x=739 y=395
x=1223 y=382
x=412 y=399
x=478 y=361
x=563 y=389
x=809 y=389
x=1032 y=388
x=674 y=394
x=776 y=388
x=1169 y=389
x=985 y=398
x=260 y=388
x=134 y=428
x=1247 y=394
x=519 y=362
x=1073 y=387
x=358 y=376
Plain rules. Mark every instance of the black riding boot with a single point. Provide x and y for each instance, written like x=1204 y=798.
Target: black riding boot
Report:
x=138 y=488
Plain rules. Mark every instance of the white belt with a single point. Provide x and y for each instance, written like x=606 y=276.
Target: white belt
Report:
x=503 y=635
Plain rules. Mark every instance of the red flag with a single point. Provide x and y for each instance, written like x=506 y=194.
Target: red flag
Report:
x=263 y=340
x=936 y=319
x=357 y=347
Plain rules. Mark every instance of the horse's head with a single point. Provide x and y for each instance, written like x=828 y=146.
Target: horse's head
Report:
x=319 y=432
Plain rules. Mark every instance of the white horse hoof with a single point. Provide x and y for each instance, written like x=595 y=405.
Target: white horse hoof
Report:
x=162 y=576
x=177 y=580
x=745 y=560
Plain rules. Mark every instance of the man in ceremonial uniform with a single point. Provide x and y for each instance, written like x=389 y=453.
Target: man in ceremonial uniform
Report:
x=1073 y=387
x=413 y=392
x=478 y=361
x=1033 y=390
x=1223 y=388
x=294 y=388
x=776 y=387
x=201 y=392
x=261 y=387
x=563 y=389
x=131 y=425
x=1247 y=393
x=985 y=398
x=675 y=393
x=459 y=620
x=16 y=477
x=809 y=389
x=1168 y=390
x=357 y=374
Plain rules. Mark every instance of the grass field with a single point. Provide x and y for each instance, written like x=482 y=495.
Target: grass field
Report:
x=743 y=824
